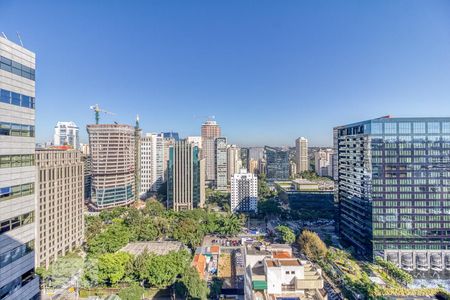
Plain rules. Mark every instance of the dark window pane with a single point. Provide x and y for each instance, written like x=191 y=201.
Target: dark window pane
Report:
x=25 y=101
x=5 y=60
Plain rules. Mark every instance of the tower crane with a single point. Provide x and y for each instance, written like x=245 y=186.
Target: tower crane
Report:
x=97 y=111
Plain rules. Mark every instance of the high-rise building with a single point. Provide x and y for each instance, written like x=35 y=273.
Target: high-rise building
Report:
x=17 y=172
x=245 y=158
x=277 y=163
x=292 y=169
x=66 y=133
x=210 y=131
x=87 y=161
x=171 y=135
x=186 y=177
x=113 y=164
x=234 y=161
x=392 y=189
x=152 y=162
x=85 y=149
x=221 y=164
x=166 y=147
x=254 y=166
x=196 y=140
x=301 y=154
x=244 y=192
x=323 y=162
x=60 y=202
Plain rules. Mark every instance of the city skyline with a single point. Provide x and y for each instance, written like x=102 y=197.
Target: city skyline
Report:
x=236 y=61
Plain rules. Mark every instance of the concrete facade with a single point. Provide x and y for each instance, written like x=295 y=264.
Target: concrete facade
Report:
x=221 y=164
x=152 y=162
x=244 y=192
x=210 y=131
x=59 y=210
x=66 y=133
x=301 y=154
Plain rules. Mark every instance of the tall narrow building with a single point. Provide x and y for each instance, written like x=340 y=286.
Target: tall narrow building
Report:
x=323 y=162
x=245 y=158
x=66 y=133
x=221 y=164
x=210 y=131
x=244 y=192
x=152 y=162
x=186 y=177
x=234 y=161
x=17 y=173
x=393 y=190
x=113 y=164
x=60 y=202
x=301 y=154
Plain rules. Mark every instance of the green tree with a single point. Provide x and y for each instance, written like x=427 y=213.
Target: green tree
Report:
x=287 y=235
x=269 y=207
x=189 y=232
x=111 y=267
x=311 y=244
x=192 y=286
x=162 y=270
x=154 y=208
x=230 y=225
x=94 y=225
x=264 y=191
x=60 y=271
x=112 y=239
x=133 y=292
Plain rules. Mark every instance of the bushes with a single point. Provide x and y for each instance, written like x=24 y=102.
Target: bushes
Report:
x=394 y=271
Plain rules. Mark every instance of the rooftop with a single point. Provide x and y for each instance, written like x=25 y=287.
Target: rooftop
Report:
x=276 y=263
x=158 y=248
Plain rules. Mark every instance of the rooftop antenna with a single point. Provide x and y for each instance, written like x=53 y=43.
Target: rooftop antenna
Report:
x=20 y=39
x=4 y=35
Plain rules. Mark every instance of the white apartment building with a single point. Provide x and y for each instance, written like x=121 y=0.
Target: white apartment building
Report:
x=301 y=154
x=244 y=192
x=66 y=133
x=323 y=162
x=152 y=162
x=60 y=202
x=17 y=173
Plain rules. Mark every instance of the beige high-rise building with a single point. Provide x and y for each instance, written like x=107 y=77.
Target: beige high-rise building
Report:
x=323 y=162
x=186 y=177
x=253 y=166
x=210 y=131
x=234 y=161
x=60 y=200
x=301 y=154
x=113 y=164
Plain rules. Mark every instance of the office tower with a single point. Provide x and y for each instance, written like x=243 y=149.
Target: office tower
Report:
x=66 y=133
x=196 y=140
x=245 y=158
x=392 y=189
x=210 y=131
x=152 y=162
x=221 y=164
x=262 y=166
x=60 y=200
x=87 y=162
x=244 y=192
x=171 y=135
x=186 y=177
x=323 y=162
x=113 y=162
x=301 y=154
x=234 y=161
x=277 y=163
x=137 y=159
x=17 y=172
x=167 y=143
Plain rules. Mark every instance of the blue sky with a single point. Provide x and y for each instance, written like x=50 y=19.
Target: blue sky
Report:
x=269 y=71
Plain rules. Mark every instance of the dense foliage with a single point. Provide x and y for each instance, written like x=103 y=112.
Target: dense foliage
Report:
x=287 y=235
x=191 y=286
x=264 y=191
x=311 y=244
x=394 y=271
x=115 y=228
x=133 y=292
x=60 y=272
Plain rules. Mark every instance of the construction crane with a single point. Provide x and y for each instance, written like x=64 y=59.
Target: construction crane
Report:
x=97 y=111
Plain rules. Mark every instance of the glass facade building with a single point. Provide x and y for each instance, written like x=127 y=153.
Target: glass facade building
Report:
x=393 y=190
x=277 y=163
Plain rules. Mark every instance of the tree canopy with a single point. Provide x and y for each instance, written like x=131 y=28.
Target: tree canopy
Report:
x=311 y=244
x=287 y=235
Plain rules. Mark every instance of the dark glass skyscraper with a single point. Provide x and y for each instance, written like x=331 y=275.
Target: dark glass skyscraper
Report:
x=393 y=190
x=277 y=163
